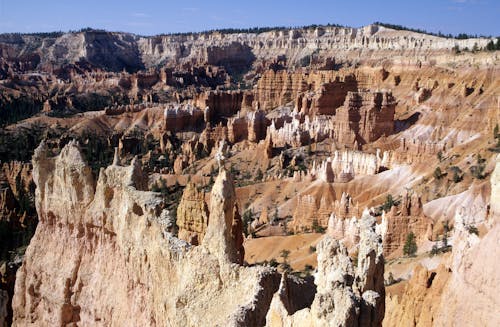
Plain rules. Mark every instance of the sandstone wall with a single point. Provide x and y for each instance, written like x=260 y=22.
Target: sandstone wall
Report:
x=101 y=256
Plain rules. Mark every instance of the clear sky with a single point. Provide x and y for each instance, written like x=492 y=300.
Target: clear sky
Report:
x=147 y=17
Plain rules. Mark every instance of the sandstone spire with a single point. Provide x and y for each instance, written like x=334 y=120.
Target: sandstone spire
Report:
x=219 y=236
x=345 y=296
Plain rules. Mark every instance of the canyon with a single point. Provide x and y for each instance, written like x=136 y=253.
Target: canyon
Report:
x=315 y=176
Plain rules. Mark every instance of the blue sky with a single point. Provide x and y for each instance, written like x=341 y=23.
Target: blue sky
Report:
x=149 y=17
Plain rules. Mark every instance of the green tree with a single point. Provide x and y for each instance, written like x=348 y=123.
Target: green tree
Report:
x=437 y=173
x=284 y=254
x=247 y=220
x=259 y=175
x=490 y=46
x=389 y=203
x=410 y=247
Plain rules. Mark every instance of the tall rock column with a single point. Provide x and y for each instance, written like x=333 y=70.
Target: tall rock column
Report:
x=345 y=296
x=219 y=238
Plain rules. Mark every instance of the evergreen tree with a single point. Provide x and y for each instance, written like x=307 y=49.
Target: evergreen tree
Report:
x=410 y=247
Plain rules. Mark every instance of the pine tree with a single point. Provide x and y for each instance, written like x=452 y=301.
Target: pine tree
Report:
x=410 y=247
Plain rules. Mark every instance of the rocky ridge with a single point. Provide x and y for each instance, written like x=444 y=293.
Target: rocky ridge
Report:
x=158 y=278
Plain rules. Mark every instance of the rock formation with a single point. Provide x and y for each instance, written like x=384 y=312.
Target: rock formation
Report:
x=183 y=117
x=401 y=220
x=235 y=52
x=192 y=215
x=345 y=165
x=107 y=260
x=365 y=117
x=443 y=297
x=495 y=190
x=346 y=296
x=219 y=104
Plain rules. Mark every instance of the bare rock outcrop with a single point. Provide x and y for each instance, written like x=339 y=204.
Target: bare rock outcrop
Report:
x=365 y=115
x=220 y=104
x=346 y=296
x=347 y=164
x=192 y=215
x=101 y=255
x=397 y=223
x=463 y=291
x=221 y=237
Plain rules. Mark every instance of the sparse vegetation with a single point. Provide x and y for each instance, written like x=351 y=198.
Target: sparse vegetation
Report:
x=247 y=220
x=472 y=229
x=457 y=174
x=477 y=171
x=437 y=173
x=317 y=228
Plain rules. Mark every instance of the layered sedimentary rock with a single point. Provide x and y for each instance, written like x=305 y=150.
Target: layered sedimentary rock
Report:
x=314 y=93
x=365 y=117
x=328 y=98
x=302 y=130
x=345 y=165
x=251 y=126
x=183 y=117
x=107 y=260
x=220 y=104
x=346 y=296
x=18 y=174
x=397 y=223
x=462 y=292
x=119 y=51
x=192 y=215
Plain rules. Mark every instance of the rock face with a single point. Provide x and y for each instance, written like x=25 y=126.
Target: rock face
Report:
x=183 y=117
x=119 y=51
x=495 y=190
x=346 y=296
x=107 y=260
x=192 y=215
x=345 y=165
x=401 y=220
x=251 y=126
x=220 y=104
x=221 y=238
x=461 y=293
x=365 y=117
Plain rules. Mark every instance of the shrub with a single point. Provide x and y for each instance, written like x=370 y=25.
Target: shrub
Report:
x=273 y=263
x=434 y=250
x=389 y=203
x=440 y=156
x=317 y=228
x=284 y=254
x=472 y=229
x=457 y=174
x=437 y=173
x=312 y=249
x=247 y=220
x=477 y=171
x=259 y=175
